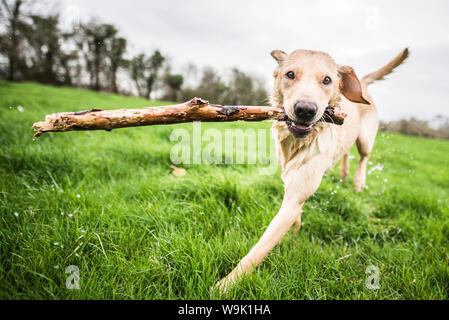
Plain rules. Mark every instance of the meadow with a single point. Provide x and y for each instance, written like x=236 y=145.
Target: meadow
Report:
x=108 y=203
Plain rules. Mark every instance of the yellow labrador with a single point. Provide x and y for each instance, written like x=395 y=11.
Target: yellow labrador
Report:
x=306 y=82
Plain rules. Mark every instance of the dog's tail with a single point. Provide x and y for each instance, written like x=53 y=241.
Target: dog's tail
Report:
x=387 y=69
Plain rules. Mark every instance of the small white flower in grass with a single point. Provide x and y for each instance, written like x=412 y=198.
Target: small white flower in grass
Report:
x=56 y=243
x=70 y=215
x=77 y=255
x=62 y=213
x=16 y=213
x=78 y=196
x=56 y=267
x=20 y=108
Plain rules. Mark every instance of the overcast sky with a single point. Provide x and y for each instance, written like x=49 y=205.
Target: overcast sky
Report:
x=242 y=33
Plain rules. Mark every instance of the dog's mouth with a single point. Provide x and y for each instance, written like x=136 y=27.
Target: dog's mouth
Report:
x=299 y=130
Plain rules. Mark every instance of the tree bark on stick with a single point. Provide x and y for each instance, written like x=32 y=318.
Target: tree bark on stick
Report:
x=196 y=109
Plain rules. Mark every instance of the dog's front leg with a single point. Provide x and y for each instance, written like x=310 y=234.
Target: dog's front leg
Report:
x=300 y=184
x=277 y=228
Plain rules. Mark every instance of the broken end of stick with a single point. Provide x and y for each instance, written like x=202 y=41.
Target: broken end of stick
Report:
x=38 y=127
x=37 y=134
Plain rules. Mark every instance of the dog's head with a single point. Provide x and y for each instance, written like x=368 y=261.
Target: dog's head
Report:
x=306 y=82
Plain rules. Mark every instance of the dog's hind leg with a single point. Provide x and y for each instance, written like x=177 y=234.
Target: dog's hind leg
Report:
x=344 y=167
x=360 y=175
x=365 y=143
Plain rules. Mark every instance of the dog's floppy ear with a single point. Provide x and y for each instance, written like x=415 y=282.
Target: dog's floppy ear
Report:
x=350 y=85
x=279 y=55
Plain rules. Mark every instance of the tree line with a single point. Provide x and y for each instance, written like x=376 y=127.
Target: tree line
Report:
x=437 y=128
x=34 y=47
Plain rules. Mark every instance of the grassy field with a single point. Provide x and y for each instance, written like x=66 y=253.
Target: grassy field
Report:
x=108 y=203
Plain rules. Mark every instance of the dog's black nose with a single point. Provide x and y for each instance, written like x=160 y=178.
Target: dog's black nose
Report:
x=305 y=110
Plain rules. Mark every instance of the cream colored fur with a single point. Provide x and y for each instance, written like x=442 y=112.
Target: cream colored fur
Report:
x=304 y=161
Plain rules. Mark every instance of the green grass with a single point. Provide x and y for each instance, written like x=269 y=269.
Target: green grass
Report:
x=137 y=232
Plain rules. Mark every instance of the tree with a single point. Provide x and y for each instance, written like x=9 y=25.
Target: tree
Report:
x=210 y=87
x=243 y=90
x=95 y=37
x=145 y=72
x=115 y=52
x=154 y=64
x=69 y=62
x=137 y=72
x=11 y=41
x=43 y=42
x=43 y=37
x=173 y=83
x=33 y=45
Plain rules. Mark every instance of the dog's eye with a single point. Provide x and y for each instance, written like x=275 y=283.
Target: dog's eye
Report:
x=290 y=75
x=327 y=80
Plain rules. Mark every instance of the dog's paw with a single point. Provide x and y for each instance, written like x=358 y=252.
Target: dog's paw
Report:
x=358 y=187
x=222 y=285
x=225 y=284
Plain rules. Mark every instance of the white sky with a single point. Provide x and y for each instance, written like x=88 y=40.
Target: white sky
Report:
x=363 y=34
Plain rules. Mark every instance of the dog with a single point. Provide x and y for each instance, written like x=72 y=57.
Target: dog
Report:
x=305 y=83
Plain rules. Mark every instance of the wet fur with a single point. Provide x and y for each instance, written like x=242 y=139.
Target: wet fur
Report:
x=304 y=161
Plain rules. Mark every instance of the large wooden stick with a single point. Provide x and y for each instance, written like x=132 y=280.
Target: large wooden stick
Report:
x=196 y=109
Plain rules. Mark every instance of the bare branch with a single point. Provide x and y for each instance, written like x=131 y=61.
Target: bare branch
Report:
x=196 y=109
x=6 y=6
